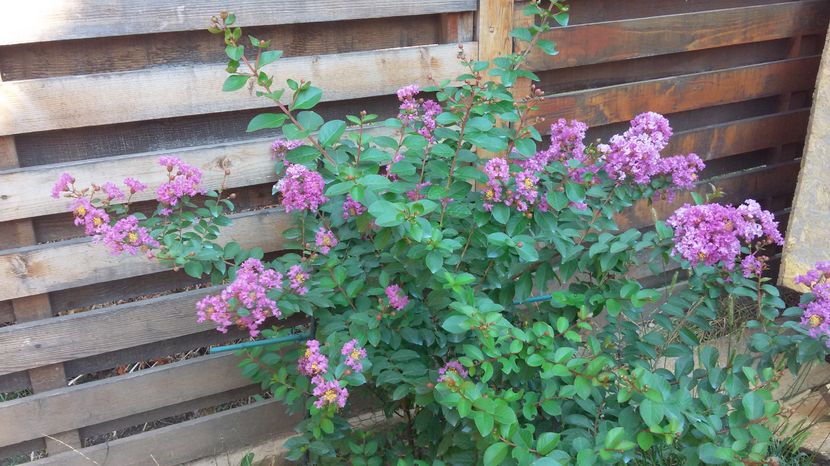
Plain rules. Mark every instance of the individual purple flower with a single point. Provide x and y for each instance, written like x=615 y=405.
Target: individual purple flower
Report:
x=281 y=147
x=301 y=189
x=312 y=363
x=352 y=208
x=751 y=266
x=249 y=290
x=354 y=354
x=215 y=309
x=816 y=316
x=64 y=183
x=126 y=236
x=112 y=192
x=759 y=223
x=329 y=392
x=452 y=367
x=134 y=185
x=397 y=299
x=183 y=180
x=683 y=170
x=415 y=194
x=93 y=219
x=430 y=109
x=298 y=278
x=325 y=240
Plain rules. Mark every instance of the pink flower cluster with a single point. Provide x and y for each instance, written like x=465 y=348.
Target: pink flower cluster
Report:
x=635 y=154
x=397 y=299
x=816 y=315
x=325 y=240
x=297 y=278
x=250 y=291
x=313 y=363
x=93 y=219
x=715 y=233
x=413 y=110
x=301 y=189
x=352 y=208
x=127 y=236
x=354 y=355
x=64 y=184
x=280 y=148
x=182 y=180
x=454 y=368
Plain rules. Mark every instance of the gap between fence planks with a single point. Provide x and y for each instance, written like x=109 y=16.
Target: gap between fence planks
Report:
x=622 y=102
x=26 y=192
x=57 y=20
x=68 y=264
x=204 y=436
x=586 y=44
x=99 y=99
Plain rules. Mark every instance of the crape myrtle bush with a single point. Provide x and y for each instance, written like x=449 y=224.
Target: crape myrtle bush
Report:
x=414 y=254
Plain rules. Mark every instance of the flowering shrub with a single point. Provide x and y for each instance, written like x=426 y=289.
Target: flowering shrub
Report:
x=491 y=308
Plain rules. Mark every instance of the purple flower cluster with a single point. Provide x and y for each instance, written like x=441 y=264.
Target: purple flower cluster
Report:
x=313 y=363
x=397 y=299
x=127 y=236
x=416 y=194
x=281 y=146
x=93 y=219
x=249 y=290
x=354 y=354
x=325 y=240
x=352 y=208
x=298 y=277
x=714 y=233
x=183 y=180
x=134 y=185
x=452 y=368
x=64 y=184
x=413 y=110
x=301 y=189
x=329 y=392
x=816 y=315
x=635 y=154
x=111 y=191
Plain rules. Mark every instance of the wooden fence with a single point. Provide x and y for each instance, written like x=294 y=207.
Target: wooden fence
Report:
x=102 y=91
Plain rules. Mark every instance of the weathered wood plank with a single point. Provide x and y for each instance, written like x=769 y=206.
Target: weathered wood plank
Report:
x=188 y=440
x=177 y=91
x=751 y=134
x=667 y=95
x=79 y=406
x=98 y=331
x=586 y=44
x=43 y=268
x=55 y=20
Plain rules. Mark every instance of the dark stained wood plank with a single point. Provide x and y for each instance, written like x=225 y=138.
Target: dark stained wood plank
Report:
x=634 y=38
x=667 y=95
x=205 y=436
x=54 y=20
x=52 y=59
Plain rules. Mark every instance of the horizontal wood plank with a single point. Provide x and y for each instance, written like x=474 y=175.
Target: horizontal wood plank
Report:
x=100 y=99
x=69 y=408
x=75 y=336
x=205 y=436
x=78 y=262
x=587 y=44
x=56 y=20
x=622 y=102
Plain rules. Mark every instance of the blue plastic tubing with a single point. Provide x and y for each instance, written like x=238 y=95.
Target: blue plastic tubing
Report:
x=305 y=336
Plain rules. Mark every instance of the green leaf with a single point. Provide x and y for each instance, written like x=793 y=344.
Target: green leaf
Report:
x=484 y=423
x=374 y=182
x=194 y=269
x=269 y=57
x=248 y=459
x=235 y=52
x=546 y=442
x=645 y=440
x=400 y=392
x=651 y=412
x=753 y=405
x=501 y=213
x=614 y=437
x=495 y=454
x=575 y=192
x=456 y=324
x=310 y=121
x=331 y=132
x=266 y=121
x=547 y=46
x=307 y=98
x=434 y=261
x=234 y=82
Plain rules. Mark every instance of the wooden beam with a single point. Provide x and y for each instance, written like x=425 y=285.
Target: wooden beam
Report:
x=622 y=102
x=39 y=269
x=495 y=21
x=586 y=44
x=55 y=20
x=100 y=99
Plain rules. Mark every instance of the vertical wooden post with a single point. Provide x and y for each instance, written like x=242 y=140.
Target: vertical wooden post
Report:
x=495 y=21
x=22 y=233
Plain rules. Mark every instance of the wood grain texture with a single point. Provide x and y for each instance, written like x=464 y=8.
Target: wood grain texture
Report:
x=101 y=99
x=495 y=21
x=79 y=406
x=54 y=266
x=642 y=37
x=55 y=20
x=205 y=436
x=687 y=92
